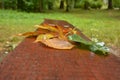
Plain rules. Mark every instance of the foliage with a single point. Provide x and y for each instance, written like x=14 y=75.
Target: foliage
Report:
x=96 y=4
x=43 y=5
x=116 y=3
x=52 y=35
x=35 y=5
x=87 y=4
x=77 y=4
x=9 y=4
x=29 y=6
x=59 y=37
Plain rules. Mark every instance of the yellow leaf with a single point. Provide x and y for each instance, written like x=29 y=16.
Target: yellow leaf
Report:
x=48 y=27
x=29 y=34
x=44 y=37
x=74 y=31
x=71 y=31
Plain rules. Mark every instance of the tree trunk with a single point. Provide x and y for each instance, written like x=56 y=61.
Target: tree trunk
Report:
x=67 y=6
x=41 y=6
x=2 y=4
x=110 y=6
x=86 y=5
x=72 y=4
x=50 y=5
x=75 y=4
x=62 y=4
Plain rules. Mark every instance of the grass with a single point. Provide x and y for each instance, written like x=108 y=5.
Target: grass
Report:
x=101 y=24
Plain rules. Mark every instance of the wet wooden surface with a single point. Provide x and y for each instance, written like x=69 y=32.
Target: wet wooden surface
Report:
x=35 y=61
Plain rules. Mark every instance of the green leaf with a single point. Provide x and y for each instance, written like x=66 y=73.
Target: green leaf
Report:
x=90 y=45
x=99 y=49
x=77 y=38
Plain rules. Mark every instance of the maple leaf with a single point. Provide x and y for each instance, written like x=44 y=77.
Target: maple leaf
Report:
x=57 y=43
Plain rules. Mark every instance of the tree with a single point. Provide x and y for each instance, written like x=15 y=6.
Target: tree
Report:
x=50 y=4
x=116 y=4
x=20 y=4
x=41 y=5
x=86 y=4
x=67 y=6
x=110 y=6
x=2 y=4
x=62 y=4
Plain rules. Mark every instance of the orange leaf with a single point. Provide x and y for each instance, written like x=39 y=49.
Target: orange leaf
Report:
x=47 y=27
x=28 y=34
x=42 y=31
x=61 y=34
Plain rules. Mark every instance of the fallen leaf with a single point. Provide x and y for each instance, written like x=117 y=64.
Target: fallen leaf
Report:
x=58 y=43
x=98 y=48
x=47 y=27
x=44 y=37
x=61 y=34
x=42 y=31
x=29 y=34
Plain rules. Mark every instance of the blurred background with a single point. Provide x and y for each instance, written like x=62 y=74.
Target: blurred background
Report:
x=68 y=5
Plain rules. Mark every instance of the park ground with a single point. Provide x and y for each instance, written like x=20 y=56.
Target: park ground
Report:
x=103 y=25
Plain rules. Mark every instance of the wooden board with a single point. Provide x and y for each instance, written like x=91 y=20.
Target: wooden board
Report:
x=35 y=61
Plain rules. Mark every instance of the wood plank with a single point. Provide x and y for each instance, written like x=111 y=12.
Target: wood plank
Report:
x=35 y=61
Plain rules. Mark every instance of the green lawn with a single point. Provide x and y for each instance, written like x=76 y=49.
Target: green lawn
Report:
x=101 y=24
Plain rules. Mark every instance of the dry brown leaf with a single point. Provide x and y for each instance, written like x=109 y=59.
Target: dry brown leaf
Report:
x=58 y=43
